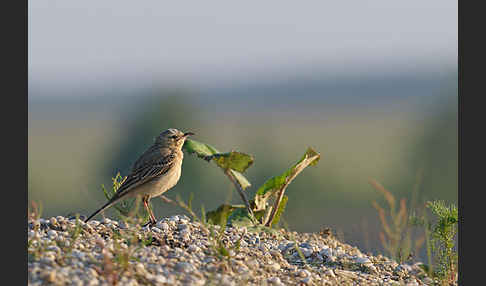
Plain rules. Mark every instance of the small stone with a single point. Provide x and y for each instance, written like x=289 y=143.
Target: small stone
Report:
x=326 y=251
x=329 y=272
x=404 y=267
x=53 y=248
x=306 y=280
x=364 y=260
x=160 y=279
x=52 y=234
x=50 y=276
x=156 y=230
x=274 y=280
x=373 y=270
x=53 y=221
x=305 y=245
x=94 y=223
x=193 y=248
x=306 y=252
x=412 y=283
x=184 y=219
x=106 y=220
x=183 y=267
x=274 y=266
x=226 y=281
x=140 y=269
x=331 y=259
x=304 y=273
x=92 y=272
x=163 y=226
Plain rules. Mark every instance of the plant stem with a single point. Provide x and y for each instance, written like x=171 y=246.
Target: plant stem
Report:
x=277 y=203
x=241 y=192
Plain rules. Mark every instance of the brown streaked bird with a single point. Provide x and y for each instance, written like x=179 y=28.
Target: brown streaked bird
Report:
x=154 y=173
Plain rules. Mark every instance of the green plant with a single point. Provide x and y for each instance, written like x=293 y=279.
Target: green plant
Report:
x=126 y=208
x=257 y=211
x=441 y=237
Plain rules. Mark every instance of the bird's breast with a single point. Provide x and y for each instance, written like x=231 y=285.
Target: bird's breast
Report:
x=169 y=180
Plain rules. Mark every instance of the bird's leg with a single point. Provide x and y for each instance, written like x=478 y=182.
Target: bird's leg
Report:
x=152 y=221
x=152 y=216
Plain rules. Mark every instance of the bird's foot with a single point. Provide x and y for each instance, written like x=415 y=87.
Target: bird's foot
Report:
x=150 y=223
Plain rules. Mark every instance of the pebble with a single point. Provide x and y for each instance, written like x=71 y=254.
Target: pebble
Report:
x=163 y=226
x=306 y=252
x=329 y=272
x=307 y=280
x=274 y=280
x=304 y=273
x=364 y=260
x=160 y=279
x=274 y=266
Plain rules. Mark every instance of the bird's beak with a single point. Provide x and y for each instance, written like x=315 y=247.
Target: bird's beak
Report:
x=188 y=134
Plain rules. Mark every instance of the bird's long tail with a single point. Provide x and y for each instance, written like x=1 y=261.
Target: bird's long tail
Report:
x=107 y=205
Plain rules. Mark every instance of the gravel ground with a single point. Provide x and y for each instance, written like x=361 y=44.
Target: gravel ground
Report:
x=178 y=251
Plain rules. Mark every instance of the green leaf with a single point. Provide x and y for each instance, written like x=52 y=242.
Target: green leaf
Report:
x=221 y=213
x=278 y=184
x=234 y=160
x=241 y=179
x=237 y=162
x=202 y=150
x=240 y=217
x=281 y=209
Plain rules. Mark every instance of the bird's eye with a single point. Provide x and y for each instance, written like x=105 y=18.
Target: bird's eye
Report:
x=173 y=136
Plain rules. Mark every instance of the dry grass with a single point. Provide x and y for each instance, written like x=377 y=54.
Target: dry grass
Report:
x=396 y=237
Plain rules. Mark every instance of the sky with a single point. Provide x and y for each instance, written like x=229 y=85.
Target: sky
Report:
x=203 y=42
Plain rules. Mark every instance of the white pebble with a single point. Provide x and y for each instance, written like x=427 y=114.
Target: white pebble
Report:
x=306 y=252
x=163 y=226
x=160 y=279
x=304 y=273
x=52 y=234
x=274 y=280
x=364 y=261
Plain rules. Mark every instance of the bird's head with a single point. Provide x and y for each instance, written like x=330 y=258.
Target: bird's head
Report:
x=172 y=138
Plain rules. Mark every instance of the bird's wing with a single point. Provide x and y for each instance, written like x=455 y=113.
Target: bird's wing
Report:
x=149 y=170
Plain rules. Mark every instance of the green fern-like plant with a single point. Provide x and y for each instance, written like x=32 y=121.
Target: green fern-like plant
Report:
x=441 y=239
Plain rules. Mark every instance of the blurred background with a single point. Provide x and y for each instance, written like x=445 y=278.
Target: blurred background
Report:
x=371 y=85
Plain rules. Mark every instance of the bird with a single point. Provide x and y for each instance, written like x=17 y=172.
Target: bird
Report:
x=156 y=171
